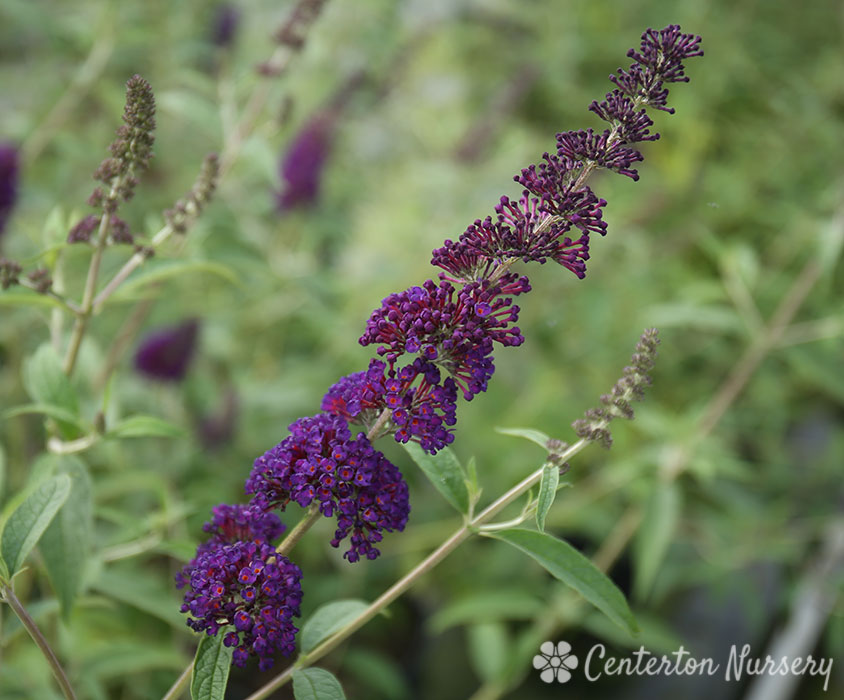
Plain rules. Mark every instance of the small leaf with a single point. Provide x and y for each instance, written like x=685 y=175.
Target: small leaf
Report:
x=56 y=412
x=547 y=493
x=211 y=667
x=536 y=436
x=316 y=684
x=145 y=426
x=47 y=384
x=572 y=568
x=65 y=543
x=327 y=619
x=444 y=472
x=2 y=471
x=654 y=535
x=27 y=523
x=28 y=299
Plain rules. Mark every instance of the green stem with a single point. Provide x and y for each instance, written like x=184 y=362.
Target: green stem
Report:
x=301 y=528
x=10 y=597
x=180 y=685
x=402 y=585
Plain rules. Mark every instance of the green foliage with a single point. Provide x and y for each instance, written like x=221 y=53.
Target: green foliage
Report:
x=564 y=562
x=445 y=474
x=316 y=684
x=327 y=619
x=28 y=521
x=211 y=668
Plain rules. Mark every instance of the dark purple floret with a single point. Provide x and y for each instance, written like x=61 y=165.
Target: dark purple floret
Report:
x=8 y=182
x=303 y=164
x=662 y=52
x=619 y=110
x=350 y=480
x=226 y=20
x=422 y=408
x=251 y=593
x=166 y=354
x=232 y=524
x=576 y=147
x=449 y=328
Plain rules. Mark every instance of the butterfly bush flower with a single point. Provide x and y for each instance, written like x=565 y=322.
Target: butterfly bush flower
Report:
x=166 y=354
x=431 y=341
x=8 y=182
x=320 y=462
x=302 y=166
x=224 y=26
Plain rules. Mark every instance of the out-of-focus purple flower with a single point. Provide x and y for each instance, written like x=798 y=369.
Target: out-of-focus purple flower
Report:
x=166 y=354
x=8 y=182
x=422 y=411
x=321 y=462
x=251 y=592
x=224 y=27
x=303 y=164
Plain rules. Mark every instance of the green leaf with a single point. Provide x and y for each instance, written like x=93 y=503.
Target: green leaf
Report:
x=145 y=426
x=654 y=536
x=56 y=412
x=489 y=649
x=572 y=568
x=2 y=471
x=47 y=384
x=316 y=684
x=65 y=544
x=142 y=591
x=547 y=493
x=211 y=668
x=27 y=523
x=159 y=271
x=536 y=436
x=444 y=472
x=327 y=619
x=488 y=606
x=29 y=299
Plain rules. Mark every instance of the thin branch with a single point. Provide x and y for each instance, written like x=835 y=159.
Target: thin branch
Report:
x=9 y=596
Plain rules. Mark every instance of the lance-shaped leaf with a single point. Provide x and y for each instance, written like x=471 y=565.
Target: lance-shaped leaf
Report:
x=327 y=619
x=27 y=523
x=316 y=684
x=444 y=472
x=572 y=568
x=211 y=668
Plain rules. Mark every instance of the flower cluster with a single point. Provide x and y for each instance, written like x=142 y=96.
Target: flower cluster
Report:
x=423 y=411
x=452 y=328
x=347 y=478
x=238 y=579
x=448 y=330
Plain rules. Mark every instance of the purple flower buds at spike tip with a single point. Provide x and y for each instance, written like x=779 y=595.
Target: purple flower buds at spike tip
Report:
x=8 y=182
x=166 y=354
x=303 y=164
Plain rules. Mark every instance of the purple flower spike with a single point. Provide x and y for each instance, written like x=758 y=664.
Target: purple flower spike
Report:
x=321 y=462
x=166 y=354
x=250 y=586
x=303 y=164
x=8 y=182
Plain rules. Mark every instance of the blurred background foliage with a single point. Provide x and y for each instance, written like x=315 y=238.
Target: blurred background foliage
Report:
x=713 y=510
